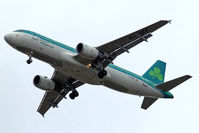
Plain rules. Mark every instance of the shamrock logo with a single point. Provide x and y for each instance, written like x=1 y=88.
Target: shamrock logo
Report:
x=156 y=73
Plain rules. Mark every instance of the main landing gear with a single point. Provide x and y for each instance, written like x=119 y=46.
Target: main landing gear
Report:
x=30 y=57
x=102 y=74
x=73 y=94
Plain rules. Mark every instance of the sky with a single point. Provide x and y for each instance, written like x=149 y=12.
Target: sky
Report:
x=99 y=109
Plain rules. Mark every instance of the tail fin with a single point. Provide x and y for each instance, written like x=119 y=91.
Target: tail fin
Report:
x=164 y=87
x=156 y=72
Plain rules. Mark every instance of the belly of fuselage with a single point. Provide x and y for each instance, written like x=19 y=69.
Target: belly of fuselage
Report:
x=60 y=58
x=75 y=69
x=63 y=60
x=125 y=83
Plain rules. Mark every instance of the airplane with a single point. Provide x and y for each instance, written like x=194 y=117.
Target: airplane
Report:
x=93 y=65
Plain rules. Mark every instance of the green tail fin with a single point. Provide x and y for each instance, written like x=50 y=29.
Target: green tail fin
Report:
x=156 y=72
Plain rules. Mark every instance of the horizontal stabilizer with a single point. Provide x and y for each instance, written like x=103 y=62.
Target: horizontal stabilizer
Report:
x=167 y=86
x=147 y=102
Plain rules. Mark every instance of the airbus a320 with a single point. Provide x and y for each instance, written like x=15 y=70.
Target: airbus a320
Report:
x=93 y=65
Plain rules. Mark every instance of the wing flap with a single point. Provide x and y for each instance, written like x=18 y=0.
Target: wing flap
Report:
x=52 y=98
x=112 y=46
x=132 y=44
x=125 y=48
x=48 y=101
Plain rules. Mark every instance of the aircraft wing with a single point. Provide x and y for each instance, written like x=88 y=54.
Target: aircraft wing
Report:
x=123 y=44
x=52 y=98
x=126 y=42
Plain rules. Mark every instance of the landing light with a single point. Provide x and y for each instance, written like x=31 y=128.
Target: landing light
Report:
x=88 y=65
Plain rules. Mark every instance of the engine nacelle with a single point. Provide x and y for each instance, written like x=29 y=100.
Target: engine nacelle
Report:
x=87 y=51
x=44 y=83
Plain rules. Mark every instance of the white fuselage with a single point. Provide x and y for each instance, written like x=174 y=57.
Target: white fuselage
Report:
x=62 y=59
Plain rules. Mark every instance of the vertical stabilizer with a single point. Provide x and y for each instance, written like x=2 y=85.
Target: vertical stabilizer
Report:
x=156 y=72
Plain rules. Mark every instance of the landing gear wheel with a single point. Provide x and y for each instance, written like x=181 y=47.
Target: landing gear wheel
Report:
x=30 y=53
x=102 y=73
x=75 y=93
x=29 y=61
x=72 y=96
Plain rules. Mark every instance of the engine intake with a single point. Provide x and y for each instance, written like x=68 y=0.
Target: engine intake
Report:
x=43 y=83
x=87 y=51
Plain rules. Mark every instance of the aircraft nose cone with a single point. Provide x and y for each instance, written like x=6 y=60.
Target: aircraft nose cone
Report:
x=8 y=38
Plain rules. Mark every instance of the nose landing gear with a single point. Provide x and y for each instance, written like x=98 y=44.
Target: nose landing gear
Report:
x=29 y=61
x=30 y=57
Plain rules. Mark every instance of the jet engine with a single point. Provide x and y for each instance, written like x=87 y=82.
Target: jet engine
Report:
x=44 y=83
x=87 y=52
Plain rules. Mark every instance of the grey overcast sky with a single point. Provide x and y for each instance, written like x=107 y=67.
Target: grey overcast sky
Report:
x=99 y=109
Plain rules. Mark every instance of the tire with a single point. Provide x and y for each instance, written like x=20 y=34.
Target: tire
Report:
x=100 y=75
x=72 y=96
x=76 y=94
x=104 y=72
x=29 y=61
